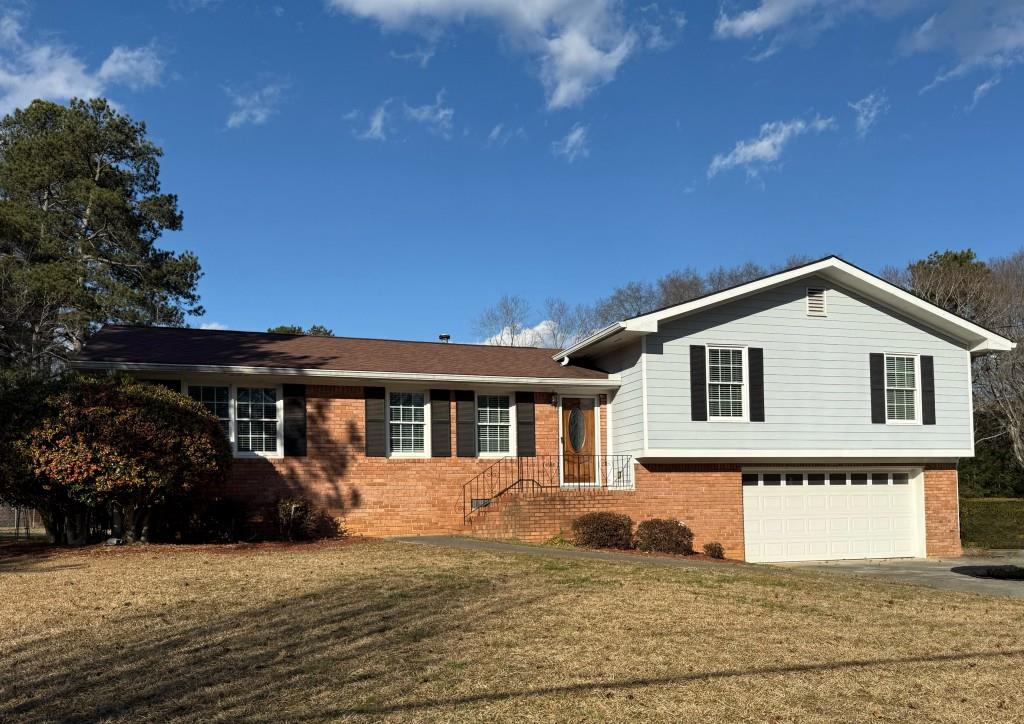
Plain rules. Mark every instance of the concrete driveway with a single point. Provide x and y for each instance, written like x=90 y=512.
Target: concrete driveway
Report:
x=973 y=575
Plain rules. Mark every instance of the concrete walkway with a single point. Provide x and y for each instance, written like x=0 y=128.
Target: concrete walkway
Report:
x=953 y=574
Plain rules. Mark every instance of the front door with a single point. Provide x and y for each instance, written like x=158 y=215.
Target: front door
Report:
x=579 y=466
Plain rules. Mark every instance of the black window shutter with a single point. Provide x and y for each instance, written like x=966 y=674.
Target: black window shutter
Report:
x=698 y=383
x=526 y=428
x=440 y=423
x=465 y=424
x=755 y=367
x=376 y=422
x=294 y=420
x=927 y=390
x=877 y=364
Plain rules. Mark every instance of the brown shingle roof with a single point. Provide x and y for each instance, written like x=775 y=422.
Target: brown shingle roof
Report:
x=174 y=346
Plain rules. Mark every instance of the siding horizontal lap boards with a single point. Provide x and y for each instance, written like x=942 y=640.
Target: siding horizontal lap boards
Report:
x=816 y=376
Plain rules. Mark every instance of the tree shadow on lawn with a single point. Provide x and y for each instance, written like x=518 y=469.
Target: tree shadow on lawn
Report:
x=355 y=641
x=359 y=647
x=29 y=557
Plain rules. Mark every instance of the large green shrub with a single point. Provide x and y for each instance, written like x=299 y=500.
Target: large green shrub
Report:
x=603 y=530
x=84 y=444
x=661 y=535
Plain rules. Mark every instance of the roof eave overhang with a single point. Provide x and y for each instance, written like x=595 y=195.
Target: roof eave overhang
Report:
x=400 y=377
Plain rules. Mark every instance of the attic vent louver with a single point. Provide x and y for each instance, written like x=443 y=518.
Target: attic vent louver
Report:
x=816 y=302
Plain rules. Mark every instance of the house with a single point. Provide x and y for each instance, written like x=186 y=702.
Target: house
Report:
x=817 y=413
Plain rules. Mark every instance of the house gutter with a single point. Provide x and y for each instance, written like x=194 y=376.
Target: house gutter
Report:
x=611 y=382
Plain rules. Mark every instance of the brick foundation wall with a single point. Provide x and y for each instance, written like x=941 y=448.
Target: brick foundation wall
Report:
x=707 y=497
x=941 y=510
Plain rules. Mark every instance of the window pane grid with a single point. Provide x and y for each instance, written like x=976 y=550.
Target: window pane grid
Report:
x=406 y=415
x=217 y=401
x=493 y=423
x=725 y=382
x=256 y=415
x=900 y=389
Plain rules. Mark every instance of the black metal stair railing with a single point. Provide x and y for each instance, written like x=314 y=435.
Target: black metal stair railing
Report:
x=545 y=473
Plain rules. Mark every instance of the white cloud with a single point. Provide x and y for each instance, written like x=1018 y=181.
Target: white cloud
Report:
x=869 y=109
x=982 y=90
x=420 y=56
x=528 y=337
x=212 y=325
x=378 y=127
x=657 y=30
x=575 y=144
x=982 y=34
x=436 y=116
x=979 y=34
x=136 y=68
x=578 y=44
x=30 y=70
x=254 y=107
x=800 y=16
x=756 y=154
x=500 y=135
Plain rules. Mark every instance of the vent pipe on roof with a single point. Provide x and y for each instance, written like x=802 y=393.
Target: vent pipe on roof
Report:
x=446 y=338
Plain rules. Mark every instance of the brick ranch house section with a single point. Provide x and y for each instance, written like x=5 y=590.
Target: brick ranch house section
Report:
x=817 y=413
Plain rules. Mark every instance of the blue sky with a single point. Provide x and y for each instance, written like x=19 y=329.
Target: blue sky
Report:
x=391 y=167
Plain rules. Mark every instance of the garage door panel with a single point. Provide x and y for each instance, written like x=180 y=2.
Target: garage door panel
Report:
x=804 y=522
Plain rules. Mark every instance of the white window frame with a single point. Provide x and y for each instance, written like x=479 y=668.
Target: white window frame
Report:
x=745 y=417
x=513 y=447
x=397 y=454
x=917 y=387
x=278 y=408
x=233 y=416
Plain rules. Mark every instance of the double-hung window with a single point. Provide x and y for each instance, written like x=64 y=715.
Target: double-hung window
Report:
x=493 y=423
x=256 y=420
x=249 y=416
x=725 y=383
x=216 y=399
x=406 y=422
x=900 y=388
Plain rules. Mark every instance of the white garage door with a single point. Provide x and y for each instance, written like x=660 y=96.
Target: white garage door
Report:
x=814 y=516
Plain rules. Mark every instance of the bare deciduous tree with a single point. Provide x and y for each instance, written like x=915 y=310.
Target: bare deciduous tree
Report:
x=506 y=323
x=564 y=325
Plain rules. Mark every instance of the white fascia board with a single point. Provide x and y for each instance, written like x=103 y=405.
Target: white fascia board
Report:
x=596 y=337
x=557 y=382
x=823 y=455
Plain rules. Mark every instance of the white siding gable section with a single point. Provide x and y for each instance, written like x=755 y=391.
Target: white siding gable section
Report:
x=816 y=380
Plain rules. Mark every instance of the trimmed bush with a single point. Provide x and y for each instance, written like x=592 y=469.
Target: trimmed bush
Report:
x=714 y=549
x=298 y=519
x=661 y=535
x=603 y=530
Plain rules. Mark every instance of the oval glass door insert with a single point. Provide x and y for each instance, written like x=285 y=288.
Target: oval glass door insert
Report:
x=577 y=430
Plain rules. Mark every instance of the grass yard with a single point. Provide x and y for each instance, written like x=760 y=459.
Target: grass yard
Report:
x=381 y=630
x=992 y=522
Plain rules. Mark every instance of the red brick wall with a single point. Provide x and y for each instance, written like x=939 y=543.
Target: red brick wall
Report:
x=707 y=497
x=381 y=496
x=941 y=510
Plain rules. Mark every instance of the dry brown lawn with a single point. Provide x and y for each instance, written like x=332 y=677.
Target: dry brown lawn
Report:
x=383 y=630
